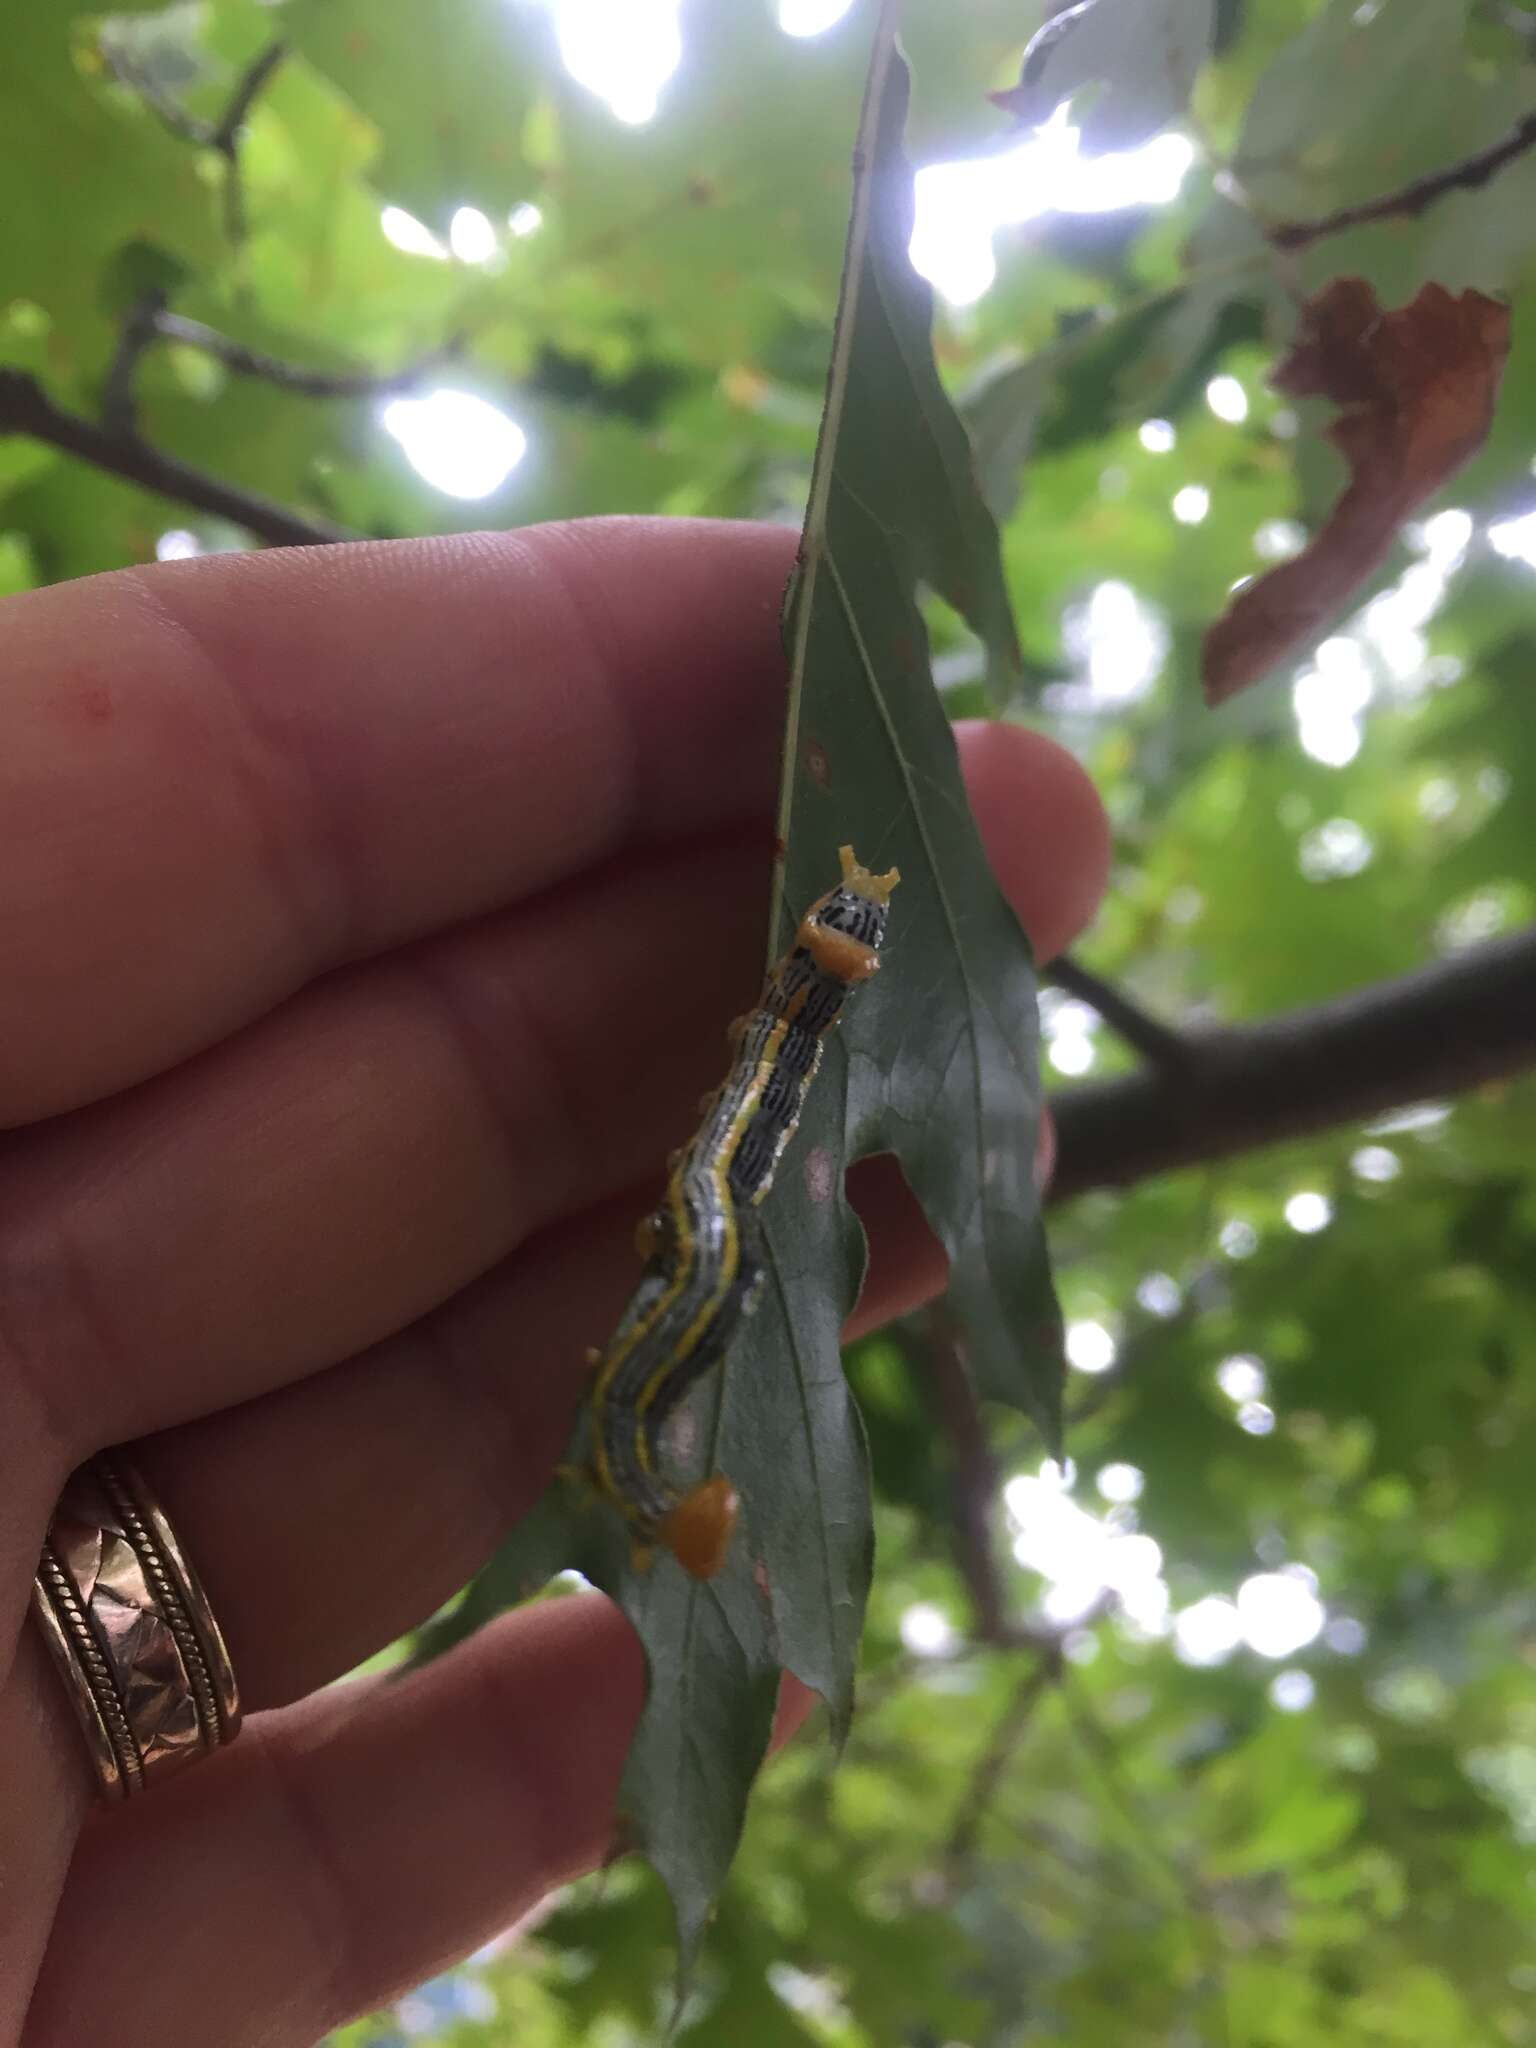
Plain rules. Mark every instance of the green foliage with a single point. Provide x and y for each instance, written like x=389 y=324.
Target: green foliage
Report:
x=113 y=170
x=1143 y=56
x=1164 y=1855
x=449 y=107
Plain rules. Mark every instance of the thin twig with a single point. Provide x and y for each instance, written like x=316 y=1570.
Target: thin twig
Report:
x=1156 y=1042
x=1410 y=200
x=149 y=321
x=225 y=136
x=294 y=377
x=118 y=403
x=987 y=1775
x=25 y=408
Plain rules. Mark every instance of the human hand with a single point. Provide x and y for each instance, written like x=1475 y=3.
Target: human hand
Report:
x=339 y=1049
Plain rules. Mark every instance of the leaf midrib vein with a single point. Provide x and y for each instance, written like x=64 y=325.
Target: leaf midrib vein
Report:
x=810 y=1434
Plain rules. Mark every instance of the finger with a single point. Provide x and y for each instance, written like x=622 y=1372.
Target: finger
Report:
x=345 y=1848
x=257 y=1408
x=330 y=1517
x=336 y=1170
x=491 y=1382
x=1042 y=826
x=45 y=1796
x=218 y=778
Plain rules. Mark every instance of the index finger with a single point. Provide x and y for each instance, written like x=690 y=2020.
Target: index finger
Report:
x=220 y=778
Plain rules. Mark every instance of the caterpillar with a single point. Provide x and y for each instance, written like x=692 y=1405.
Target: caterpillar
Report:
x=702 y=1246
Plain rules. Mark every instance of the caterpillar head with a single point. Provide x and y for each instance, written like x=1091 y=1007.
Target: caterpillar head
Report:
x=844 y=930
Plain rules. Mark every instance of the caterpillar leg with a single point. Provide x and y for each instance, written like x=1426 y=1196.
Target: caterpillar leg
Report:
x=655 y=1236
x=581 y=1480
x=698 y=1530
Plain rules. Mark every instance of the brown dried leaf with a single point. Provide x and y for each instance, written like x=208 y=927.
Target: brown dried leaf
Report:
x=1419 y=384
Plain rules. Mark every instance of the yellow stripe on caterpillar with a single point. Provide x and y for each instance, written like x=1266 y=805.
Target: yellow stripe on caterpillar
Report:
x=702 y=1273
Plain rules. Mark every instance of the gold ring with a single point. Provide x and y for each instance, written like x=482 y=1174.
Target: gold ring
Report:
x=131 y=1631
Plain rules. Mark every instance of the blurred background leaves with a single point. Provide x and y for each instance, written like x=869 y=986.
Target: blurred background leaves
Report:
x=1286 y=1790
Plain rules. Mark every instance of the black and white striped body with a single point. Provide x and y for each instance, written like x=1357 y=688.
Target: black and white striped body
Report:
x=704 y=1267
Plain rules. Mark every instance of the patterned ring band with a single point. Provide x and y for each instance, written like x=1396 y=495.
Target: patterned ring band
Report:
x=131 y=1631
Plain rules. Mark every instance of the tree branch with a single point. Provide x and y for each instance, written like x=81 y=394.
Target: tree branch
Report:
x=1156 y=1042
x=225 y=135
x=1442 y=1030
x=294 y=377
x=149 y=321
x=1410 y=200
x=25 y=408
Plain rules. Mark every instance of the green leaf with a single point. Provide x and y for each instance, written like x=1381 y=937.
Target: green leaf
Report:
x=1002 y=415
x=17 y=571
x=1143 y=55
x=708 y=222
x=1337 y=120
x=448 y=88
x=1329 y=122
x=934 y=1061
x=1304 y=1823
x=870 y=760
x=117 y=181
x=1070 y=392
x=714 y=1678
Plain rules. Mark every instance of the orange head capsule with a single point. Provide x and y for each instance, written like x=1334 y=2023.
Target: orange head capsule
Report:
x=698 y=1530
x=843 y=930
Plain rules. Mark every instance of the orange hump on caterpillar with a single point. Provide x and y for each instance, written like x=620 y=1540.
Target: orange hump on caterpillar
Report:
x=699 y=1528
x=696 y=1530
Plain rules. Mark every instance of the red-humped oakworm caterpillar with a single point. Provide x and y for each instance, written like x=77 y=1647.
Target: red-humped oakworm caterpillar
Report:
x=703 y=1266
